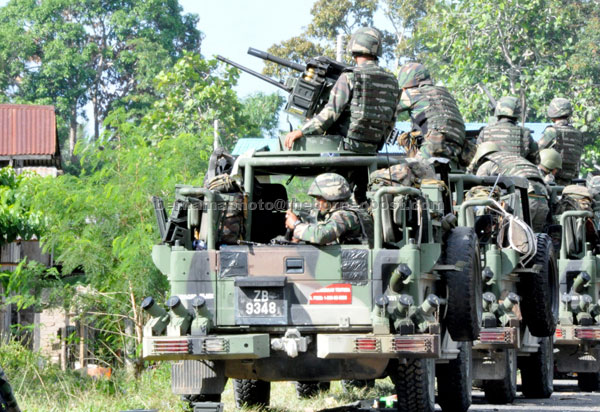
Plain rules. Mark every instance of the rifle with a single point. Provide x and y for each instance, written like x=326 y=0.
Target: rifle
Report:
x=309 y=92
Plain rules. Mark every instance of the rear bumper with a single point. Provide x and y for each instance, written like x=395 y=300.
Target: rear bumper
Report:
x=491 y=338
x=256 y=346
x=575 y=335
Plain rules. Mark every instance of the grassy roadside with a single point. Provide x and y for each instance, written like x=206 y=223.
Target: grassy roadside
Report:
x=42 y=387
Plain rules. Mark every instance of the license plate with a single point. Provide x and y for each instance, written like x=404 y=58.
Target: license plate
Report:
x=261 y=303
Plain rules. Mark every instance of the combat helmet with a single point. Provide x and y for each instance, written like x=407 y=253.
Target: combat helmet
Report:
x=559 y=107
x=331 y=187
x=366 y=40
x=508 y=106
x=412 y=75
x=485 y=149
x=550 y=159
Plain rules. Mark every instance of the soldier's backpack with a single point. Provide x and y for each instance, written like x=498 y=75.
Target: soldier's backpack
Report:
x=575 y=197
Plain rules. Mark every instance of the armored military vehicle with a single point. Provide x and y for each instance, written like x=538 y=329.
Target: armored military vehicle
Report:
x=520 y=287
x=577 y=337
x=247 y=305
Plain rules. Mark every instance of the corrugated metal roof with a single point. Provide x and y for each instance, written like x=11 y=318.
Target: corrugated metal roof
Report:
x=27 y=130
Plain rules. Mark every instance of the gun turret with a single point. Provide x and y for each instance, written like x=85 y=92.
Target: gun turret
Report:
x=310 y=91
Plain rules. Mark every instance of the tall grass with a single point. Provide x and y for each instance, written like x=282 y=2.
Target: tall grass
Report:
x=41 y=386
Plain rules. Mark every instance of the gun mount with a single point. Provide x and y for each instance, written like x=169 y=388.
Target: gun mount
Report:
x=309 y=92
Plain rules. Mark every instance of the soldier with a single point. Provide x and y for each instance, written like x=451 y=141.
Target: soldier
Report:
x=8 y=401
x=438 y=129
x=490 y=161
x=506 y=133
x=337 y=222
x=362 y=103
x=550 y=164
x=563 y=137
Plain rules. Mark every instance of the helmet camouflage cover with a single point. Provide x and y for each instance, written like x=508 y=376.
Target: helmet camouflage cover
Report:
x=412 y=75
x=508 y=106
x=485 y=149
x=331 y=187
x=366 y=40
x=550 y=159
x=559 y=107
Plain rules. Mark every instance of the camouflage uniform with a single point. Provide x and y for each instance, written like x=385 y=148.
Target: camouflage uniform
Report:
x=509 y=164
x=505 y=132
x=568 y=141
x=339 y=223
x=9 y=403
x=362 y=102
x=434 y=113
x=335 y=226
x=549 y=160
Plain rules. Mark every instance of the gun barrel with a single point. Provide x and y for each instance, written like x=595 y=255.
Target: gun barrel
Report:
x=269 y=57
x=256 y=74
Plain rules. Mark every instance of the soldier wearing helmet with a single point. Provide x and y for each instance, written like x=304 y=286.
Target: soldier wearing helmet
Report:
x=550 y=164
x=506 y=133
x=491 y=161
x=438 y=129
x=337 y=221
x=564 y=138
x=362 y=103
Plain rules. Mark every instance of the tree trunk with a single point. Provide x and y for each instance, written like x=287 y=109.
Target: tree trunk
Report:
x=96 y=115
x=72 y=129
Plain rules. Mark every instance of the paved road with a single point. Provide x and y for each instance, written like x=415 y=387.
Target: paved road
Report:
x=566 y=398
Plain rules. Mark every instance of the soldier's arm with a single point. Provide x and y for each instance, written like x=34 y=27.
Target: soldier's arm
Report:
x=329 y=231
x=534 y=150
x=338 y=99
x=404 y=104
x=548 y=138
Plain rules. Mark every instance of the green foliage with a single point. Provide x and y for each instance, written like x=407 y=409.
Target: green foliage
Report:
x=17 y=218
x=262 y=114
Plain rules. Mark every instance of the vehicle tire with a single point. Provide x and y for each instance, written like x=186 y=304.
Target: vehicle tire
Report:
x=349 y=384
x=588 y=381
x=251 y=392
x=502 y=391
x=539 y=291
x=455 y=381
x=306 y=390
x=415 y=384
x=464 y=309
x=537 y=371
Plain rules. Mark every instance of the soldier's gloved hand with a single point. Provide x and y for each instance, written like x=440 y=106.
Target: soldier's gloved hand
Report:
x=291 y=137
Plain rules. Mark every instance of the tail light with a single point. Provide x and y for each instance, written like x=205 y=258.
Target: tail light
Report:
x=163 y=347
x=412 y=344
x=367 y=345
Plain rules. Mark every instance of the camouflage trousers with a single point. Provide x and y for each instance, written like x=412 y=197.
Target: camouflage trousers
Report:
x=9 y=403
x=433 y=144
x=538 y=210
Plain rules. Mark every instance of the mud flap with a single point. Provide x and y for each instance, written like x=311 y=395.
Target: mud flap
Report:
x=193 y=377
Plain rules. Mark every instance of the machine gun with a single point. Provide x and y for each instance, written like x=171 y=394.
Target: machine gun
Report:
x=308 y=93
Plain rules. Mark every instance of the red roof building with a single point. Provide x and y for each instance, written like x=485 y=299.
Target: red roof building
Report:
x=28 y=136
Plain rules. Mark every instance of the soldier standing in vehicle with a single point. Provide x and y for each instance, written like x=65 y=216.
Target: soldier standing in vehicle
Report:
x=564 y=138
x=337 y=221
x=362 y=103
x=506 y=133
x=550 y=165
x=438 y=129
x=490 y=161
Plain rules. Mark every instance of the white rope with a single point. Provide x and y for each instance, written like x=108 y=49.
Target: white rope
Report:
x=528 y=250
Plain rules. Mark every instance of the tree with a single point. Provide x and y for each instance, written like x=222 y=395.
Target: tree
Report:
x=262 y=113
x=71 y=52
x=17 y=218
